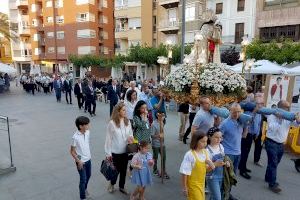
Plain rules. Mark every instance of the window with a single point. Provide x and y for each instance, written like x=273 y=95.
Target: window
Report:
x=59 y=4
x=275 y=33
x=49 y=4
x=134 y=23
x=33 y=7
x=37 y=51
x=134 y=3
x=81 y=2
x=172 y=38
x=105 y=35
x=241 y=5
x=105 y=50
x=189 y=37
x=51 y=50
x=61 y=50
x=219 y=8
x=121 y=3
x=83 y=17
x=60 y=35
x=86 y=33
x=172 y=15
x=133 y=42
x=36 y=37
x=49 y=19
x=104 y=3
x=190 y=13
x=34 y=22
x=83 y=50
x=50 y=34
x=105 y=20
x=239 y=32
x=60 y=19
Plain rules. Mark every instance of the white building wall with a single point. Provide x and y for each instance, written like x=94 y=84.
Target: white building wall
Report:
x=230 y=16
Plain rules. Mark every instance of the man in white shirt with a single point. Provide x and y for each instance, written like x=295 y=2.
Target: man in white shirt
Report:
x=80 y=151
x=278 y=129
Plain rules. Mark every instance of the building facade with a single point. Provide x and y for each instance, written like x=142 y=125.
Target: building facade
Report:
x=278 y=19
x=5 y=50
x=55 y=29
x=169 y=17
x=237 y=18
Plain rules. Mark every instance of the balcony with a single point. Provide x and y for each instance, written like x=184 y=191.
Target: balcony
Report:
x=120 y=51
x=24 y=31
x=169 y=3
x=169 y=27
x=121 y=33
x=22 y=4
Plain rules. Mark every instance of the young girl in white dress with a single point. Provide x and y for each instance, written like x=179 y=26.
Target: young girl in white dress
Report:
x=141 y=175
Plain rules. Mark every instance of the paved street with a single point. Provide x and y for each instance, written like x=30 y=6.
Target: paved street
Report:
x=41 y=132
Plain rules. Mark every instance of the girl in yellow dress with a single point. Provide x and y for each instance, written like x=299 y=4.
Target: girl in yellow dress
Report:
x=193 y=168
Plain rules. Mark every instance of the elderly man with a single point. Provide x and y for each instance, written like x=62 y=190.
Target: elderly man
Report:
x=232 y=134
x=277 y=133
x=254 y=134
x=132 y=85
x=204 y=120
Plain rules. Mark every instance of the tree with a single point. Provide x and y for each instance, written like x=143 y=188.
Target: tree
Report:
x=230 y=56
x=4 y=28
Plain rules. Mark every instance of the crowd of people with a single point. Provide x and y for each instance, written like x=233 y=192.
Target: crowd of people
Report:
x=4 y=82
x=219 y=148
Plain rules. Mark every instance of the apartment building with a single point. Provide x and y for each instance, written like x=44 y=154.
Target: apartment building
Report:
x=19 y=23
x=237 y=18
x=278 y=18
x=5 y=50
x=134 y=24
x=169 y=14
x=57 y=28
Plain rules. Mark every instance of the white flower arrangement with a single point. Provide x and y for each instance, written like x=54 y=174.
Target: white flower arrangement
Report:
x=219 y=79
x=180 y=79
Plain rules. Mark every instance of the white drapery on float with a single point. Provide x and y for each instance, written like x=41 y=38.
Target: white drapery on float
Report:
x=7 y=69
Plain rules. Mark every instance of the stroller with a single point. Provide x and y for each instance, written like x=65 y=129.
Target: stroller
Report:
x=297 y=164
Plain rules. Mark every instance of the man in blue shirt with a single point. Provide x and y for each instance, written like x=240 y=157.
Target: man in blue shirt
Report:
x=158 y=102
x=233 y=131
x=232 y=134
x=253 y=134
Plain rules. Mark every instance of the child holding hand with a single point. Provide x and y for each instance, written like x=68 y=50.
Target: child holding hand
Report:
x=141 y=175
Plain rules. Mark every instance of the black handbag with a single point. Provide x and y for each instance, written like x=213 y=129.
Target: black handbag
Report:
x=108 y=170
x=132 y=148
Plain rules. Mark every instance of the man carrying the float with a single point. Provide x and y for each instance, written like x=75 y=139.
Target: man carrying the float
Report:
x=278 y=129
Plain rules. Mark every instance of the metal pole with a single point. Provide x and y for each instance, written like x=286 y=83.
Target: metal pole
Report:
x=11 y=160
x=182 y=31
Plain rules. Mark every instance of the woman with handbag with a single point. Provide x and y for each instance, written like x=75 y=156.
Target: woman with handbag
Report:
x=119 y=134
x=141 y=125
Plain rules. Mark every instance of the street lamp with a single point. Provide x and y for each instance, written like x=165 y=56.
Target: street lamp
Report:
x=245 y=42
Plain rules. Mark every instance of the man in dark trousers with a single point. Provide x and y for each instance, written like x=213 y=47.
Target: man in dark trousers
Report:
x=90 y=98
x=68 y=89
x=57 y=84
x=78 y=91
x=113 y=95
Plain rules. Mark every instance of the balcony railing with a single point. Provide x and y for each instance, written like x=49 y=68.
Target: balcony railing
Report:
x=22 y=3
x=24 y=30
x=169 y=3
x=166 y=24
x=120 y=29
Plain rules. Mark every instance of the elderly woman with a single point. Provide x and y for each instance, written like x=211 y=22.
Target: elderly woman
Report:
x=131 y=101
x=119 y=134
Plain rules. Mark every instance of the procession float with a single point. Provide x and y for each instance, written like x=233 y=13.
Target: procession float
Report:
x=202 y=73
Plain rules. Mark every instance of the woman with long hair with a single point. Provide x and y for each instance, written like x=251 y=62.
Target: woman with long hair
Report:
x=119 y=134
x=130 y=104
x=142 y=131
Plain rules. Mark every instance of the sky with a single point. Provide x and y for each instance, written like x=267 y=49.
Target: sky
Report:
x=4 y=6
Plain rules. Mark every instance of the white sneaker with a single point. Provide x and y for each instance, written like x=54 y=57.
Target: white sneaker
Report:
x=110 y=188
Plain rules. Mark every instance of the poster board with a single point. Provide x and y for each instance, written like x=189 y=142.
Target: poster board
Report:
x=278 y=87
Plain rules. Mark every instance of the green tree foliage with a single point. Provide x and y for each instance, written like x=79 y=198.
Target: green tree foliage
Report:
x=142 y=54
x=286 y=51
